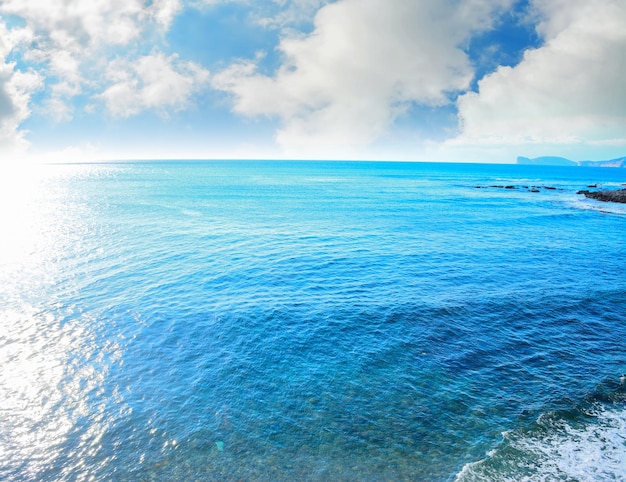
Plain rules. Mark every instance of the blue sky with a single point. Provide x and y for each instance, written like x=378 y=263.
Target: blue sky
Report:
x=440 y=80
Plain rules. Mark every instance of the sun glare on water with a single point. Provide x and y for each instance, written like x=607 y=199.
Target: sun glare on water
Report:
x=19 y=203
x=42 y=387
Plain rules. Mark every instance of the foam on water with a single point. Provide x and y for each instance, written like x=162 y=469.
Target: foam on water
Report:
x=603 y=207
x=586 y=445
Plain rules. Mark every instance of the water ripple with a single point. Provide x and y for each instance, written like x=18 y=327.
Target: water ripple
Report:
x=307 y=322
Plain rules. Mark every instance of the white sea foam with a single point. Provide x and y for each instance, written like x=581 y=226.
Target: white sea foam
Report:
x=558 y=449
x=593 y=205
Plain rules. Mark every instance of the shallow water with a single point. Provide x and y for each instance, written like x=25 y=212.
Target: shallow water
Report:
x=311 y=321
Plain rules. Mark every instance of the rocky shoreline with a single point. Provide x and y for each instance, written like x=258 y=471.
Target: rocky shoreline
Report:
x=526 y=188
x=613 y=196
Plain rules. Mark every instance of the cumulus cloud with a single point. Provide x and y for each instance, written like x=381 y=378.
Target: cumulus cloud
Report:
x=156 y=82
x=16 y=88
x=77 y=24
x=70 y=37
x=570 y=90
x=363 y=65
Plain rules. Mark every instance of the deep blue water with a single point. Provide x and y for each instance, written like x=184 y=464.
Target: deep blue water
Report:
x=311 y=321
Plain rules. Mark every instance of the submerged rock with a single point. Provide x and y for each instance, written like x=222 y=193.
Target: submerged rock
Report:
x=614 y=196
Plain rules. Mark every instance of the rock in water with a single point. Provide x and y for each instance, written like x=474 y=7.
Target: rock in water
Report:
x=614 y=196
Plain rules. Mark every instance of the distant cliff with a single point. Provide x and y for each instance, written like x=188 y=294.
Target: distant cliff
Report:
x=619 y=162
x=561 y=161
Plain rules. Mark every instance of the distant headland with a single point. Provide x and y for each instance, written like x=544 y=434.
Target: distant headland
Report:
x=561 y=161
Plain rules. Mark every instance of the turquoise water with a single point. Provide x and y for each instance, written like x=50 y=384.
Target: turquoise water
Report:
x=311 y=321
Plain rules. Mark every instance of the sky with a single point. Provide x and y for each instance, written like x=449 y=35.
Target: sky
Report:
x=424 y=80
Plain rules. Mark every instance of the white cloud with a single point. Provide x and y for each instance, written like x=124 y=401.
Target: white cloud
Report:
x=571 y=90
x=16 y=88
x=278 y=14
x=361 y=67
x=156 y=82
x=292 y=12
x=68 y=37
x=164 y=11
x=77 y=24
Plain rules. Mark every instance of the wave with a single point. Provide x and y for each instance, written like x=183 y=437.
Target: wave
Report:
x=587 y=443
x=586 y=204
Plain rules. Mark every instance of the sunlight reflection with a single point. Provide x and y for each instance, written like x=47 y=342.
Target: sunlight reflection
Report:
x=34 y=360
x=53 y=371
x=19 y=193
x=52 y=390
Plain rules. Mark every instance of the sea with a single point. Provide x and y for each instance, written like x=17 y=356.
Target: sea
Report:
x=311 y=321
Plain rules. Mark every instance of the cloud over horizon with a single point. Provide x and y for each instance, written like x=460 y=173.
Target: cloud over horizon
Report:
x=360 y=68
x=316 y=78
x=16 y=87
x=571 y=90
